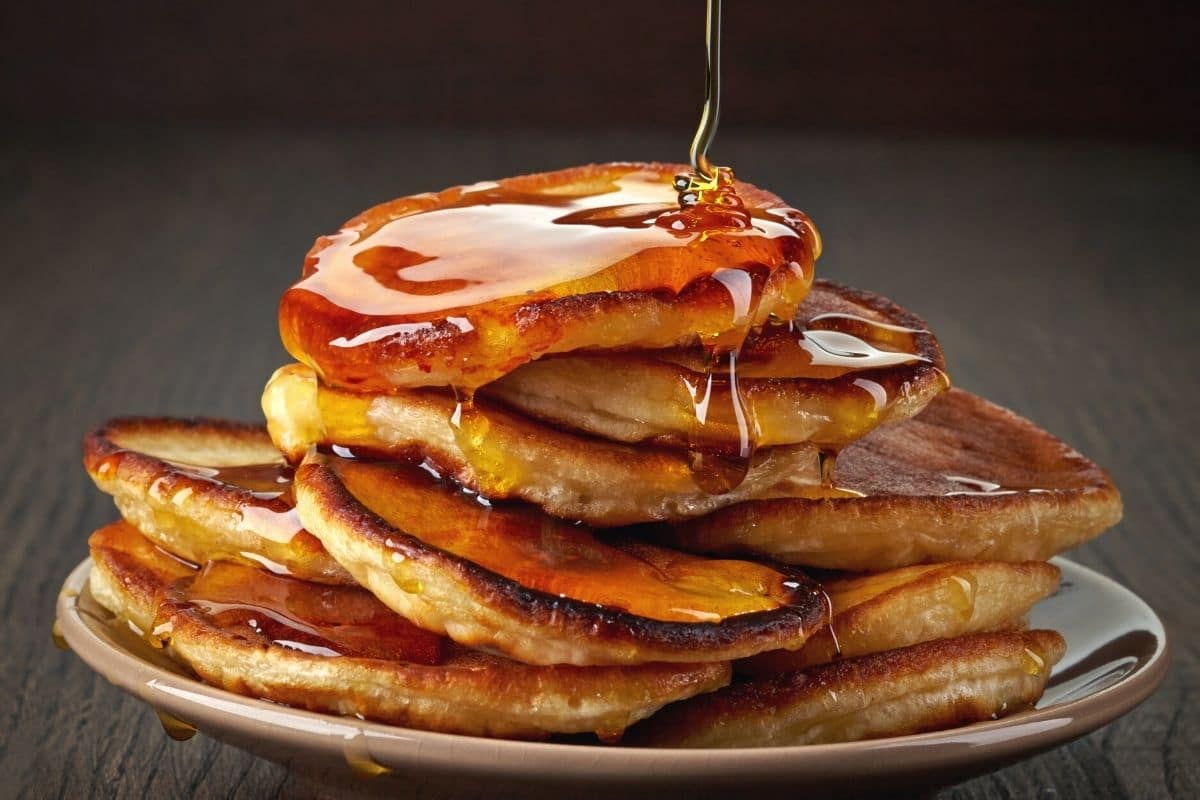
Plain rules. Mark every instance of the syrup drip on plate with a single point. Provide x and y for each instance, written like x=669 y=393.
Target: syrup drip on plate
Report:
x=176 y=728
x=56 y=635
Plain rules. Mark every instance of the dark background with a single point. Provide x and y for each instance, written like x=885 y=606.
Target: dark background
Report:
x=1096 y=69
x=1023 y=175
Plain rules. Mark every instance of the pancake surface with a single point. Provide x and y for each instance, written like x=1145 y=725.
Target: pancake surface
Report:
x=849 y=361
x=885 y=610
x=337 y=650
x=207 y=490
x=542 y=591
x=502 y=454
x=964 y=480
x=931 y=686
x=462 y=286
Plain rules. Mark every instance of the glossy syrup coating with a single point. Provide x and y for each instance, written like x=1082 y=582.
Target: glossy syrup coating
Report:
x=462 y=286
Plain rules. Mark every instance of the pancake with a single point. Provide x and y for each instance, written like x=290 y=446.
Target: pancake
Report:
x=459 y=287
x=850 y=361
x=509 y=579
x=207 y=490
x=964 y=480
x=337 y=650
x=930 y=686
x=502 y=454
x=886 y=610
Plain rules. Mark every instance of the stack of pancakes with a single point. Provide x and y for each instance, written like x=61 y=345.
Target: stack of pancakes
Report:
x=591 y=452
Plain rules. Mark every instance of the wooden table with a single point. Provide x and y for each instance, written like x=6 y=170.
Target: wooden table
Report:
x=141 y=273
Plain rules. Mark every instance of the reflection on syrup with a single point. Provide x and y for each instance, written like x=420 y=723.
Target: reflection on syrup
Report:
x=963 y=589
x=724 y=430
x=547 y=555
x=314 y=619
x=263 y=482
x=977 y=487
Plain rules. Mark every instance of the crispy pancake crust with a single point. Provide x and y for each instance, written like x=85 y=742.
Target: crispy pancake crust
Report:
x=906 y=606
x=654 y=403
x=154 y=468
x=931 y=686
x=1050 y=498
x=483 y=342
x=507 y=455
x=476 y=607
x=468 y=692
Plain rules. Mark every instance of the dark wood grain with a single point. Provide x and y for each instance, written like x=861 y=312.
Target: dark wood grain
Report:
x=141 y=271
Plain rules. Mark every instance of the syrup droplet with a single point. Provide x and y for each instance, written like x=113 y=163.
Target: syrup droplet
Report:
x=176 y=728
x=59 y=641
x=472 y=434
x=962 y=595
x=1032 y=662
x=357 y=752
x=837 y=646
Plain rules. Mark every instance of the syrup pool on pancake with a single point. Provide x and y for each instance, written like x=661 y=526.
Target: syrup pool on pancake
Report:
x=458 y=288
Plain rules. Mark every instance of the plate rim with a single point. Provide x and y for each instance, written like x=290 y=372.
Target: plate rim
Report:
x=1026 y=731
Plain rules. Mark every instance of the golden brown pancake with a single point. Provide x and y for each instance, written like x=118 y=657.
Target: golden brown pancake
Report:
x=507 y=578
x=462 y=286
x=850 y=361
x=207 y=490
x=338 y=650
x=502 y=454
x=930 y=686
x=906 y=606
x=964 y=480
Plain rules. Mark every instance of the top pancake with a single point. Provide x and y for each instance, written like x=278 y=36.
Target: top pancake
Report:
x=462 y=286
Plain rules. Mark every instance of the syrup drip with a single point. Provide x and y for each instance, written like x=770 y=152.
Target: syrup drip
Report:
x=710 y=114
x=176 y=728
x=357 y=752
x=722 y=436
x=1032 y=663
x=962 y=595
x=471 y=433
x=829 y=624
x=57 y=636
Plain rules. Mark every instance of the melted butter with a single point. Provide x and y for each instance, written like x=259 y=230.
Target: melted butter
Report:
x=557 y=558
x=311 y=618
